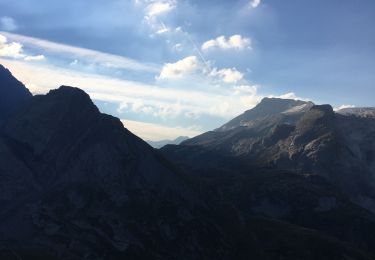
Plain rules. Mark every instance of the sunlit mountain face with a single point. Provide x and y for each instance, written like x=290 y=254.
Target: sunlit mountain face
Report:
x=184 y=129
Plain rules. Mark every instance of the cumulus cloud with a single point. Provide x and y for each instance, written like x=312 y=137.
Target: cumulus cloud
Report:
x=234 y=42
x=10 y=49
x=255 y=3
x=15 y=50
x=8 y=24
x=230 y=75
x=179 y=69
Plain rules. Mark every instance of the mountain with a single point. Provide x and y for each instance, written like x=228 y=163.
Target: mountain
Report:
x=311 y=139
x=76 y=184
x=358 y=111
x=12 y=93
x=292 y=161
x=267 y=108
x=160 y=144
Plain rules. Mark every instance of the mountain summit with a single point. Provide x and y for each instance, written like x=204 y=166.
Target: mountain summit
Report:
x=266 y=108
x=12 y=93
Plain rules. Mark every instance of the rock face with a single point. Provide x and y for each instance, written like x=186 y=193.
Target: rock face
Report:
x=12 y=93
x=303 y=167
x=77 y=182
x=300 y=137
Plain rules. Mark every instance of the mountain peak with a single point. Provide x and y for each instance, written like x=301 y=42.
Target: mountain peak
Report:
x=12 y=93
x=268 y=107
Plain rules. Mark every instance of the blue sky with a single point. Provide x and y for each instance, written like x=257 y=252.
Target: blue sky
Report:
x=182 y=67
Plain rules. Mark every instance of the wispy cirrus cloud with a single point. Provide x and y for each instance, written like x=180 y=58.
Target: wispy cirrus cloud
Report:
x=82 y=54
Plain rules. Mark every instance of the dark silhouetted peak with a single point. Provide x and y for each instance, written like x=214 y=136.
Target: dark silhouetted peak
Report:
x=61 y=115
x=12 y=93
x=324 y=108
x=266 y=108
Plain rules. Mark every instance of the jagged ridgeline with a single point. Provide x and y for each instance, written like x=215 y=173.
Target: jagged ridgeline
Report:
x=76 y=184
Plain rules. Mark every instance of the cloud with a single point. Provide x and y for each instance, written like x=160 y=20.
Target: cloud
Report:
x=255 y=3
x=228 y=75
x=179 y=69
x=159 y=7
x=343 y=107
x=35 y=58
x=290 y=95
x=82 y=54
x=156 y=132
x=177 y=47
x=234 y=42
x=8 y=24
x=158 y=101
x=10 y=49
x=246 y=89
x=15 y=50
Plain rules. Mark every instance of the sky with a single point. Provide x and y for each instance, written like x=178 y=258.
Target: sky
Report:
x=170 y=68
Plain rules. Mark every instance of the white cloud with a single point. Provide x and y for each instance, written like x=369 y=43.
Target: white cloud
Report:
x=10 y=49
x=246 y=89
x=234 y=42
x=255 y=3
x=166 y=102
x=35 y=58
x=156 y=132
x=228 y=75
x=15 y=50
x=179 y=69
x=163 y=30
x=177 y=47
x=82 y=54
x=290 y=95
x=8 y=23
x=343 y=107
x=159 y=7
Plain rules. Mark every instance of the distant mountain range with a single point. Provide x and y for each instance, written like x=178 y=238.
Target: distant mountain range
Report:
x=160 y=144
x=285 y=180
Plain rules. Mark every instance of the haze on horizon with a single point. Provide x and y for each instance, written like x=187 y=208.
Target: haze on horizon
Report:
x=181 y=67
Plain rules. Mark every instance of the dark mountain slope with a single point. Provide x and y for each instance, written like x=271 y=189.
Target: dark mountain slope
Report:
x=12 y=93
x=76 y=182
